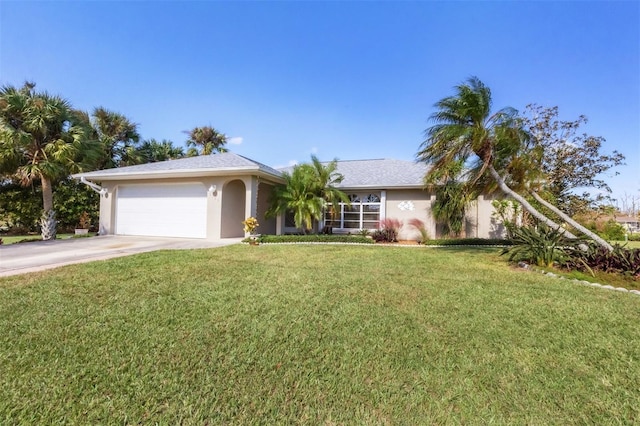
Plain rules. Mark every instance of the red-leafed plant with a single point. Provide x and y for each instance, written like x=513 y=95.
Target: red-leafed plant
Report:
x=388 y=232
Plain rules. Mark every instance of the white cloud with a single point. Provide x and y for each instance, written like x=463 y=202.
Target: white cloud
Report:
x=236 y=140
x=314 y=150
x=293 y=163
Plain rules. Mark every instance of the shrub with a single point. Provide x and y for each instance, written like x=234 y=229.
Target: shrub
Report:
x=84 y=222
x=313 y=238
x=250 y=224
x=420 y=226
x=612 y=230
x=507 y=212
x=469 y=242
x=597 y=258
x=388 y=232
x=363 y=232
x=540 y=245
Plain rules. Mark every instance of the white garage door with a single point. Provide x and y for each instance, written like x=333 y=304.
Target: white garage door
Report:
x=172 y=210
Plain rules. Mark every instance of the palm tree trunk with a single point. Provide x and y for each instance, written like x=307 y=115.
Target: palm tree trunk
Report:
x=47 y=193
x=525 y=204
x=571 y=222
x=48 y=221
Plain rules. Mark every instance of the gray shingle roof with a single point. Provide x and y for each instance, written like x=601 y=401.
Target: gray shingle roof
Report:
x=216 y=162
x=380 y=173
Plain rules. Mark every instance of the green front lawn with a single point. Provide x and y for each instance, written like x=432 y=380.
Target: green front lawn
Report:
x=315 y=335
x=13 y=239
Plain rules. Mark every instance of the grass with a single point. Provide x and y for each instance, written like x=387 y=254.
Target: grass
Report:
x=315 y=335
x=13 y=239
x=628 y=244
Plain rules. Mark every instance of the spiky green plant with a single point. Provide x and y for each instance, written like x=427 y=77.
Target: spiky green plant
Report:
x=541 y=245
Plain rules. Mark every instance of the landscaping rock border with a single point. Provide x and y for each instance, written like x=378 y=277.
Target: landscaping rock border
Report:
x=524 y=265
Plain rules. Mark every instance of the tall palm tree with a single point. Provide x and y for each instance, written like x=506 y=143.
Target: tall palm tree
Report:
x=205 y=141
x=466 y=131
x=152 y=151
x=119 y=137
x=42 y=138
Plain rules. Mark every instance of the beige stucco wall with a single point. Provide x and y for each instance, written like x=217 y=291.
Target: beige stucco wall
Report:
x=243 y=203
x=480 y=222
x=407 y=204
x=233 y=209
x=267 y=226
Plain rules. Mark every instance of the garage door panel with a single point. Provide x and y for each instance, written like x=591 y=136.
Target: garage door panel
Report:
x=178 y=210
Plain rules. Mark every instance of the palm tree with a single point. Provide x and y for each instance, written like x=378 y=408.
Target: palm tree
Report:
x=307 y=192
x=42 y=138
x=466 y=131
x=452 y=197
x=205 y=141
x=119 y=137
x=152 y=151
x=327 y=178
x=299 y=194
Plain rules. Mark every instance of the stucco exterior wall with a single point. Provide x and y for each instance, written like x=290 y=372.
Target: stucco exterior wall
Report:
x=407 y=204
x=267 y=226
x=414 y=203
x=480 y=222
x=243 y=203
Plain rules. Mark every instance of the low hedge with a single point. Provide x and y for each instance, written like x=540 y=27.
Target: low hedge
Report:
x=469 y=242
x=313 y=238
x=359 y=239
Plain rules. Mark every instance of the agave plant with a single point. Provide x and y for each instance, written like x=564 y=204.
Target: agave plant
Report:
x=541 y=245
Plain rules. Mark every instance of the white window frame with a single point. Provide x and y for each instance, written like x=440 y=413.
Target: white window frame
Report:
x=356 y=197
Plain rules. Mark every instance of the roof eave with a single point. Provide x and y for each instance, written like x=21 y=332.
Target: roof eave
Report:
x=380 y=187
x=168 y=174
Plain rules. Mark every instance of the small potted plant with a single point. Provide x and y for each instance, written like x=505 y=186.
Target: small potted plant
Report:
x=250 y=224
x=84 y=223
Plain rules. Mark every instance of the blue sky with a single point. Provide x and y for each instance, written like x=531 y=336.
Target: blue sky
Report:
x=350 y=80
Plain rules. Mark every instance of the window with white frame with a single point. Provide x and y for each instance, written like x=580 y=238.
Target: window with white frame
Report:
x=363 y=213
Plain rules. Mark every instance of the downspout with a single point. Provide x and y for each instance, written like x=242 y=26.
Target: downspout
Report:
x=97 y=188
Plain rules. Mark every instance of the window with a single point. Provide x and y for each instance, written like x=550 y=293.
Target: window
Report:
x=363 y=213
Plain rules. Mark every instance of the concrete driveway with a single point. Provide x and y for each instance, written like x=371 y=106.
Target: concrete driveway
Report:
x=36 y=256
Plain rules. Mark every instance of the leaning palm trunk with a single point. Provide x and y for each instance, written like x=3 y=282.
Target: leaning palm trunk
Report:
x=48 y=225
x=571 y=221
x=525 y=204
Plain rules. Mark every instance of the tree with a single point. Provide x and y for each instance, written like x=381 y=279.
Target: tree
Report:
x=42 y=138
x=20 y=206
x=71 y=200
x=466 y=131
x=453 y=195
x=566 y=161
x=205 y=141
x=307 y=192
x=327 y=178
x=118 y=136
x=152 y=151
